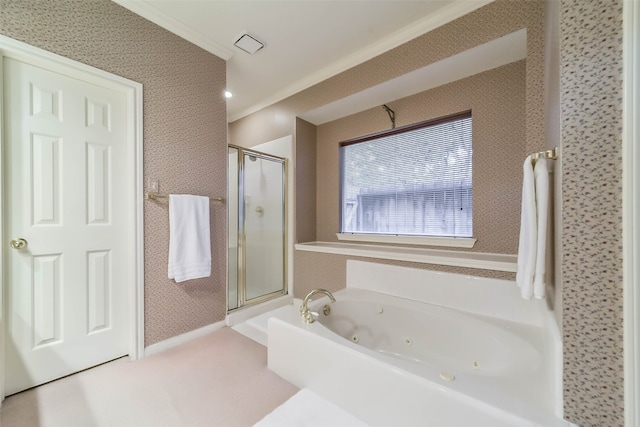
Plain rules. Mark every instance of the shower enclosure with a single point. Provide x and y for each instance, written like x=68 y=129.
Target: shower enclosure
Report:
x=257 y=227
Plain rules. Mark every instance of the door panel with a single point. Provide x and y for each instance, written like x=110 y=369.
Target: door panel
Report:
x=67 y=299
x=98 y=290
x=98 y=167
x=46 y=171
x=46 y=299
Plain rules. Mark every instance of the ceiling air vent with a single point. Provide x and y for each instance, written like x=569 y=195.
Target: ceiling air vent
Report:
x=249 y=44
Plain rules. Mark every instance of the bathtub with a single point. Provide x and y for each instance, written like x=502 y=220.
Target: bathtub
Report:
x=402 y=361
x=427 y=335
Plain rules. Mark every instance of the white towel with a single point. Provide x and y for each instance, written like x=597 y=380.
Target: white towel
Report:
x=189 y=237
x=533 y=229
x=305 y=408
x=541 y=178
x=528 y=233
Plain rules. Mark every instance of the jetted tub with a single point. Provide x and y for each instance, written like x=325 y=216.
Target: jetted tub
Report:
x=433 y=336
x=402 y=362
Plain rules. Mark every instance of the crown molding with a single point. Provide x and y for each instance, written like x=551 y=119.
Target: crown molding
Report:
x=151 y=13
x=422 y=26
x=493 y=54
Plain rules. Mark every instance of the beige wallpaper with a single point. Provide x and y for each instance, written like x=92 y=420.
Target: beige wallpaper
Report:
x=590 y=249
x=483 y=25
x=329 y=271
x=488 y=23
x=497 y=101
x=591 y=81
x=498 y=188
x=305 y=143
x=185 y=145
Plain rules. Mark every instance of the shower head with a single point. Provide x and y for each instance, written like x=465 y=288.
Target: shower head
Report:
x=252 y=158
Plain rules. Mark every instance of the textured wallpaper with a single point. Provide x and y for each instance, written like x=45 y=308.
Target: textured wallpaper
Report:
x=185 y=148
x=591 y=80
x=590 y=37
x=497 y=101
x=495 y=20
x=305 y=146
x=185 y=144
x=329 y=271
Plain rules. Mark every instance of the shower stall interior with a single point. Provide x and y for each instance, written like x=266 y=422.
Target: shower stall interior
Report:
x=257 y=227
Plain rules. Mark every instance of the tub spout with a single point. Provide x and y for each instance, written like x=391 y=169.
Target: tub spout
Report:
x=304 y=311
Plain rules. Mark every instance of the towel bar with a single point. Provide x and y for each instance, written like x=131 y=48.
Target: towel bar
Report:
x=152 y=196
x=547 y=154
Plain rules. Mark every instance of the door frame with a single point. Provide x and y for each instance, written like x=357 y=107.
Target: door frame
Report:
x=10 y=48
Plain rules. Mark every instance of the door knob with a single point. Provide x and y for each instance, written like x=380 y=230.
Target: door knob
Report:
x=18 y=243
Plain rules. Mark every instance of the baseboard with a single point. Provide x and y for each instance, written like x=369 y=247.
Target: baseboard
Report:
x=181 y=339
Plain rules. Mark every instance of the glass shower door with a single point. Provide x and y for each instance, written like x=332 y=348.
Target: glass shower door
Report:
x=263 y=225
x=257 y=224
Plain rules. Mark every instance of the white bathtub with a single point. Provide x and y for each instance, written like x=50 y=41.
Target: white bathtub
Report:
x=395 y=361
x=431 y=336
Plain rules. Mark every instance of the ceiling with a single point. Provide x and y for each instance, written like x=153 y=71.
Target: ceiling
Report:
x=306 y=41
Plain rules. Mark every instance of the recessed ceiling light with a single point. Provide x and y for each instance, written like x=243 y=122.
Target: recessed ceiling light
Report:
x=227 y=94
x=249 y=44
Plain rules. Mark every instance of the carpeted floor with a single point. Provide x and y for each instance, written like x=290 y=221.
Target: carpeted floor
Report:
x=221 y=379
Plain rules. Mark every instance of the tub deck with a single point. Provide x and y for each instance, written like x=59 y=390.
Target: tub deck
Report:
x=384 y=394
x=384 y=390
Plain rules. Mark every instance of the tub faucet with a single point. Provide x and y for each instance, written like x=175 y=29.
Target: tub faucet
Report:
x=304 y=311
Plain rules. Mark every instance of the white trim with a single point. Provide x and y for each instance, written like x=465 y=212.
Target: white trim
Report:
x=555 y=354
x=488 y=56
x=449 y=13
x=136 y=343
x=2 y=241
x=133 y=90
x=631 y=210
x=422 y=26
x=171 y=24
x=480 y=260
x=453 y=242
x=182 y=339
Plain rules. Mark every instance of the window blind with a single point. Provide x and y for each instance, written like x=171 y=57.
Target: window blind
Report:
x=415 y=180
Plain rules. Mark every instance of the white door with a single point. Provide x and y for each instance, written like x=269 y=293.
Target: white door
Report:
x=66 y=157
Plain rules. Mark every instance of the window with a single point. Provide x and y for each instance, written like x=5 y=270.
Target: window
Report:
x=414 y=180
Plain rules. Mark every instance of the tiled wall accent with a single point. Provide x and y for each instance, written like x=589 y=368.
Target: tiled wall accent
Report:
x=185 y=145
x=591 y=81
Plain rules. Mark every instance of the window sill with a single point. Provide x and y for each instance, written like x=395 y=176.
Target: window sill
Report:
x=453 y=242
x=484 y=261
